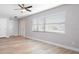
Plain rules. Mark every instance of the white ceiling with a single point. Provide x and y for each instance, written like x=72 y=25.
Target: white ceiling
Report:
x=7 y=10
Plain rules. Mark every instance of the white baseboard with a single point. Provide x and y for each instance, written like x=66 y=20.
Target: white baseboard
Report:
x=56 y=44
x=4 y=36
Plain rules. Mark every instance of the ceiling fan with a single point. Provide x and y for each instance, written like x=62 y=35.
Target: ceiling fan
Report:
x=23 y=7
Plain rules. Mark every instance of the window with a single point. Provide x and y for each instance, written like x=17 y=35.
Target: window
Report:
x=55 y=23
x=50 y=23
x=41 y=24
x=38 y=24
x=34 y=25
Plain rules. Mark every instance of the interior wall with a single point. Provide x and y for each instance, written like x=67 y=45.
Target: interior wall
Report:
x=70 y=38
x=8 y=27
x=13 y=27
x=3 y=27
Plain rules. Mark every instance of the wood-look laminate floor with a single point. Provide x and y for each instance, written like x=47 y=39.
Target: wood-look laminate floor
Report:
x=20 y=45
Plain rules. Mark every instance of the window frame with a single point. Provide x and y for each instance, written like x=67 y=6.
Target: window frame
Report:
x=44 y=19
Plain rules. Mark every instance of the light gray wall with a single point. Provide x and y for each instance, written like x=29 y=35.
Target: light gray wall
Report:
x=70 y=38
x=3 y=26
x=8 y=27
x=13 y=27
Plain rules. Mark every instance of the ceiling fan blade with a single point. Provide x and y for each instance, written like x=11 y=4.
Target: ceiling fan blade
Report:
x=28 y=10
x=20 y=5
x=17 y=9
x=28 y=7
x=23 y=5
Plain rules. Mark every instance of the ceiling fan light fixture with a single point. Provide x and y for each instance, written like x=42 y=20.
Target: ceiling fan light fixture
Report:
x=22 y=11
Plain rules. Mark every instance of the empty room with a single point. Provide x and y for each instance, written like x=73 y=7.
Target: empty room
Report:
x=39 y=28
